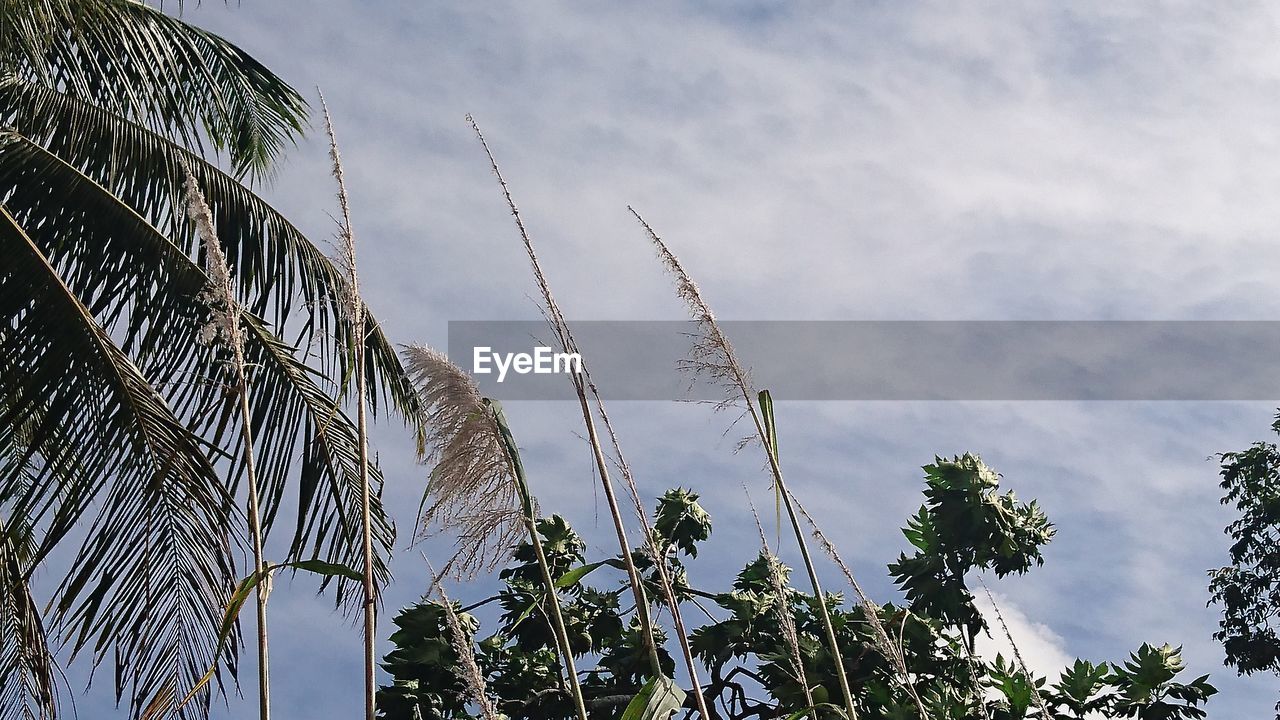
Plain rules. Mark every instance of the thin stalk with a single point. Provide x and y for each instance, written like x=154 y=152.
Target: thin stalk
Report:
x=480 y=478
x=561 y=327
x=717 y=356
x=659 y=558
x=255 y=530
x=355 y=306
x=1017 y=654
x=832 y=644
x=870 y=608
x=977 y=682
x=633 y=576
x=512 y=454
x=225 y=327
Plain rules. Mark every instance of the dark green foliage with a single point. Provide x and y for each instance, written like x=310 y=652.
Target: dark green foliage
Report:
x=424 y=665
x=1079 y=691
x=1249 y=588
x=1145 y=686
x=681 y=522
x=102 y=104
x=966 y=524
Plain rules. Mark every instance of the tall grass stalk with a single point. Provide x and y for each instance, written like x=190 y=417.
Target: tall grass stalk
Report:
x=565 y=338
x=783 y=606
x=355 y=308
x=475 y=452
x=872 y=611
x=713 y=357
x=1017 y=654
x=226 y=329
x=658 y=555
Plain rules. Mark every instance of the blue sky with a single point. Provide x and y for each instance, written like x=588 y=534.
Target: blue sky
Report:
x=932 y=161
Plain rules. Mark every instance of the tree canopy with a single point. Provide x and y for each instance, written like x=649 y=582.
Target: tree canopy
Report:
x=965 y=527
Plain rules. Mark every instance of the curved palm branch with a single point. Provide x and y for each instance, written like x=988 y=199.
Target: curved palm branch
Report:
x=277 y=267
x=182 y=81
x=296 y=424
x=101 y=103
x=28 y=686
x=148 y=583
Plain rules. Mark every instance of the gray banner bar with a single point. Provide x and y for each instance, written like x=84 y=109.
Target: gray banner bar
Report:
x=896 y=360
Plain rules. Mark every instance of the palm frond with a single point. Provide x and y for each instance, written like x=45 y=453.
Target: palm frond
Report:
x=297 y=425
x=159 y=70
x=147 y=585
x=282 y=274
x=28 y=683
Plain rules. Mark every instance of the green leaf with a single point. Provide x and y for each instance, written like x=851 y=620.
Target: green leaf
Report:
x=771 y=438
x=770 y=428
x=327 y=569
x=572 y=577
x=162 y=510
x=659 y=699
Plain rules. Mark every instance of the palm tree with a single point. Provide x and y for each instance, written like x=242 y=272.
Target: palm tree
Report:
x=117 y=429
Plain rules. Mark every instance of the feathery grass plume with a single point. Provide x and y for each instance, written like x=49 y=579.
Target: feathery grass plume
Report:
x=712 y=356
x=225 y=328
x=659 y=561
x=1017 y=654
x=471 y=675
x=872 y=611
x=471 y=492
x=565 y=338
x=355 y=308
x=782 y=608
x=475 y=453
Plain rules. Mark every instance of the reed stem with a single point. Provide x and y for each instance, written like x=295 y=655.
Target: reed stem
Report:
x=355 y=308
x=255 y=531
x=527 y=505
x=565 y=337
x=225 y=327
x=664 y=579
x=729 y=370
x=1017 y=654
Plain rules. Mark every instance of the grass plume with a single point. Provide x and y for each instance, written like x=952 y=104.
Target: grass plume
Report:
x=713 y=358
x=470 y=492
x=225 y=329
x=472 y=678
x=475 y=452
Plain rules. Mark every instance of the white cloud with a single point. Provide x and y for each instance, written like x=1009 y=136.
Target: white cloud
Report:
x=1043 y=650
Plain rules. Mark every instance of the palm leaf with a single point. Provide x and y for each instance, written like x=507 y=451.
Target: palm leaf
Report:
x=28 y=686
x=278 y=268
x=156 y=69
x=296 y=425
x=147 y=584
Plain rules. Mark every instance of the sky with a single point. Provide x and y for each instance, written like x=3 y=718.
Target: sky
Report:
x=814 y=161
